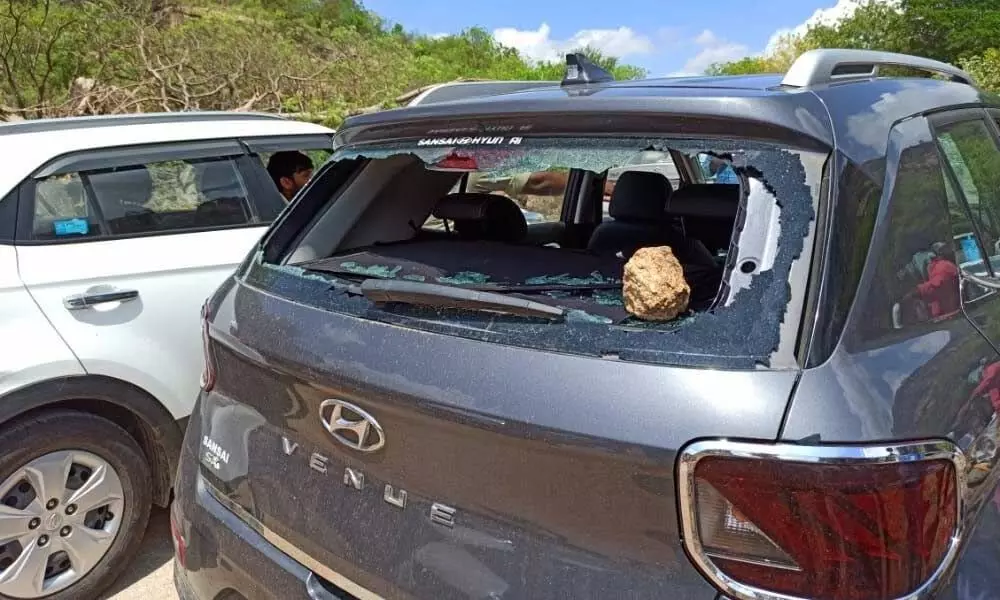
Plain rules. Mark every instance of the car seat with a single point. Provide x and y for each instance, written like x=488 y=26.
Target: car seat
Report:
x=708 y=212
x=123 y=195
x=487 y=217
x=224 y=201
x=638 y=207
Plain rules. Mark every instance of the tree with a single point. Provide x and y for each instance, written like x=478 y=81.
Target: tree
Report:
x=778 y=60
x=985 y=68
x=314 y=59
x=963 y=33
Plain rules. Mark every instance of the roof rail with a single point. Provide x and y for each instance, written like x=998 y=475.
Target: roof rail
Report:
x=818 y=67
x=85 y=122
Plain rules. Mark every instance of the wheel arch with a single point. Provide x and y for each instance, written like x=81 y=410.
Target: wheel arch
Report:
x=130 y=407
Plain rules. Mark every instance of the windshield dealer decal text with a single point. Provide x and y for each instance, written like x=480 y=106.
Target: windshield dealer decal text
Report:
x=471 y=141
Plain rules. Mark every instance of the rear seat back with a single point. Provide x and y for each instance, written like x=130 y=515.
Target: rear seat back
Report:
x=488 y=217
x=708 y=212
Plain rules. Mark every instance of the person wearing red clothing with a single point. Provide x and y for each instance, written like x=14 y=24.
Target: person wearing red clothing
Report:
x=939 y=293
x=941 y=290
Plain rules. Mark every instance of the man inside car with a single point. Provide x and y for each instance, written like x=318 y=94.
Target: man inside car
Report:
x=290 y=171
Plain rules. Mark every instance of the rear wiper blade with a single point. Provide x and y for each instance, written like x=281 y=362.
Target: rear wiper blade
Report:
x=348 y=273
x=382 y=291
x=538 y=288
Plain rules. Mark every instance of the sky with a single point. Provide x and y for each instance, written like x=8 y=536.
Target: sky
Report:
x=666 y=37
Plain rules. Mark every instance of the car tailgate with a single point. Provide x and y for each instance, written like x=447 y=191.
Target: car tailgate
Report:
x=505 y=472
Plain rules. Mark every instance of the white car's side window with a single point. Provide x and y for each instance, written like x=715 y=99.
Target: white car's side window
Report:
x=149 y=198
x=61 y=203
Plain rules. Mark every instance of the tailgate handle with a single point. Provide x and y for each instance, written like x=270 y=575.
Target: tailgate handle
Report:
x=87 y=300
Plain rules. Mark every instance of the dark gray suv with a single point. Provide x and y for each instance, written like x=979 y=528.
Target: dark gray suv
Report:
x=411 y=392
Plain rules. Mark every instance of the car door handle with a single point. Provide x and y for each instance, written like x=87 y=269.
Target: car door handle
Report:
x=87 y=300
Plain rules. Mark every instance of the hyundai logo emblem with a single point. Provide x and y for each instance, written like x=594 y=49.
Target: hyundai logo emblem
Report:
x=351 y=425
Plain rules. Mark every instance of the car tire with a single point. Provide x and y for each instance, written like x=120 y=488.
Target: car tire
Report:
x=28 y=447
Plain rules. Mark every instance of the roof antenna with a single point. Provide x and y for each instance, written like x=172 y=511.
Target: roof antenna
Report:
x=580 y=70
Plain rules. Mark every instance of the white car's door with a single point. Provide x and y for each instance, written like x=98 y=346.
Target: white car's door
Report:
x=122 y=258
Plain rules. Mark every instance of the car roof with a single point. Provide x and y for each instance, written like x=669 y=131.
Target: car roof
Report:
x=828 y=113
x=92 y=121
x=27 y=145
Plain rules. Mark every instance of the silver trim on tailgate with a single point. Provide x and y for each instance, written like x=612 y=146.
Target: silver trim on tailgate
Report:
x=288 y=548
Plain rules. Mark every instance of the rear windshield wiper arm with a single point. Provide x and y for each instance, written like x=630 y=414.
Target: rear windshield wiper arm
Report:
x=382 y=291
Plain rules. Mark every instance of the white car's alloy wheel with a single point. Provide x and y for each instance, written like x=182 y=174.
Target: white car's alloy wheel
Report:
x=59 y=515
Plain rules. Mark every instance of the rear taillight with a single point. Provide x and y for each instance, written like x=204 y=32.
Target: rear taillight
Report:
x=766 y=521
x=180 y=545
x=208 y=371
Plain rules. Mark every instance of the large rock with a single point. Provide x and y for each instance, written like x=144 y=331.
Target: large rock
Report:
x=654 y=287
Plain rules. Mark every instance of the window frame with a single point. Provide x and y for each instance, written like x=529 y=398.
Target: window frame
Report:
x=119 y=156
x=8 y=217
x=255 y=167
x=939 y=121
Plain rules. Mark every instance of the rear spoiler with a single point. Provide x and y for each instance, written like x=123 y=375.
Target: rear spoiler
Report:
x=462 y=90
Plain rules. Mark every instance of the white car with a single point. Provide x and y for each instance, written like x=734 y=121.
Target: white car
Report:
x=113 y=232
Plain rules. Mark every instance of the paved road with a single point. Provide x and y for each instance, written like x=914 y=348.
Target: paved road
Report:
x=151 y=575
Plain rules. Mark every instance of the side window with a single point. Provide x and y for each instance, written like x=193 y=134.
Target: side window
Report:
x=170 y=196
x=916 y=262
x=974 y=159
x=717 y=168
x=968 y=246
x=299 y=164
x=318 y=157
x=62 y=209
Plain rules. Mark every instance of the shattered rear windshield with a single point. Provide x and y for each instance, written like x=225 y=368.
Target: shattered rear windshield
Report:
x=657 y=250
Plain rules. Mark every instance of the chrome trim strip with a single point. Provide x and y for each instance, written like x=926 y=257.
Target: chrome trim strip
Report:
x=887 y=453
x=288 y=548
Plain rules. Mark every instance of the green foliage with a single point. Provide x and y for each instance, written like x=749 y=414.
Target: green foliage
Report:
x=318 y=60
x=965 y=33
x=985 y=68
x=778 y=60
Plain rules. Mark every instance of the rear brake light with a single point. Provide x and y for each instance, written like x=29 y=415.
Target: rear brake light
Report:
x=457 y=161
x=766 y=521
x=180 y=545
x=208 y=371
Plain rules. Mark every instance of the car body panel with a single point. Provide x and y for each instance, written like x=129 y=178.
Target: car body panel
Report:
x=153 y=341
x=889 y=379
x=494 y=444
x=32 y=350
x=560 y=468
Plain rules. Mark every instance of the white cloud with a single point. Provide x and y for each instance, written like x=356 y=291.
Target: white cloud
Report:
x=538 y=45
x=712 y=49
x=823 y=16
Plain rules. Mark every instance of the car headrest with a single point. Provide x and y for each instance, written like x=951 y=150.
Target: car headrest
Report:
x=640 y=196
x=218 y=179
x=705 y=200
x=483 y=216
x=121 y=190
